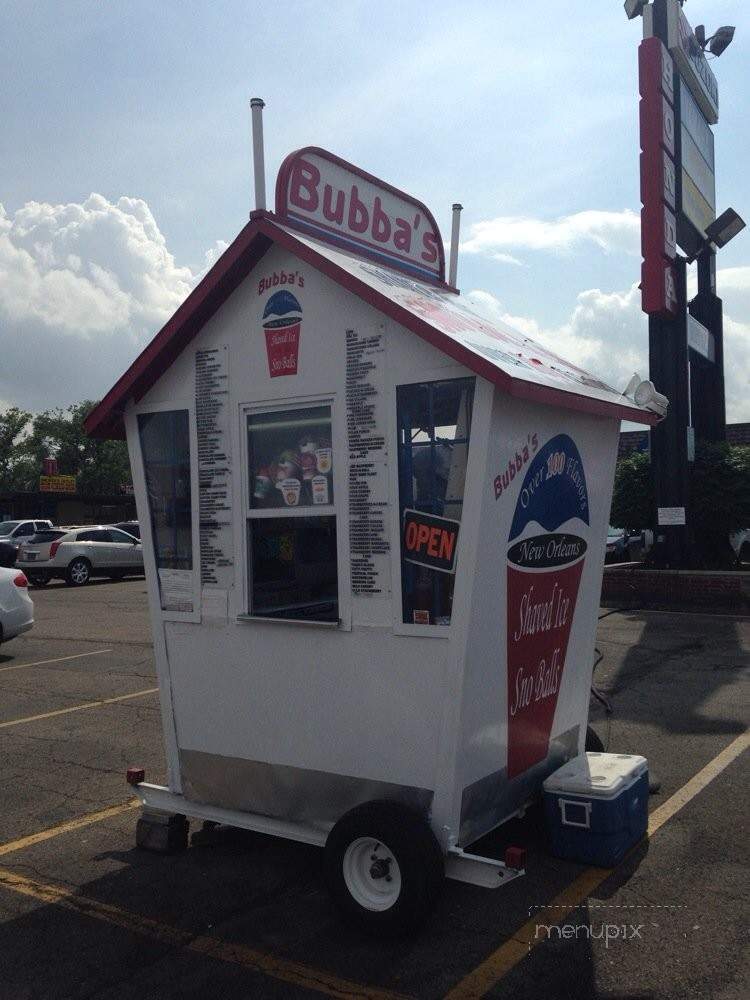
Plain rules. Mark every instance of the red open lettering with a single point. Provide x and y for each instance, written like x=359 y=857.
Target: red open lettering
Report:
x=432 y=547
x=447 y=542
x=423 y=534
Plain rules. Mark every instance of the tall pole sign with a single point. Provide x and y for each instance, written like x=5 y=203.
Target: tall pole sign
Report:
x=679 y=101
x=658 y=179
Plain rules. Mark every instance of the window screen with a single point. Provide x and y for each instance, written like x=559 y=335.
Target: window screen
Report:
x=292 y=550
x=434 y=423
x=294 y=571
x=165 y=445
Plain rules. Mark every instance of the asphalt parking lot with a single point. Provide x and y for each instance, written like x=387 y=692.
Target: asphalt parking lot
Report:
x=84 y=914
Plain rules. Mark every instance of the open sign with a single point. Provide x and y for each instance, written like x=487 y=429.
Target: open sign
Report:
x=430 y=541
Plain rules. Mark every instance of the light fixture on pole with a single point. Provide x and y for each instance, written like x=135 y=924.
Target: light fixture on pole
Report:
x=634 y=8
x=720 y=232
x=717 y=42
x=725 y=228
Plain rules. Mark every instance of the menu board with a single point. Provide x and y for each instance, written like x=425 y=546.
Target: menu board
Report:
x=369 y=542
x=214 y=468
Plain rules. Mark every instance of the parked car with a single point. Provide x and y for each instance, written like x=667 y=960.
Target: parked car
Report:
x=16 y=532
x=132 y=527
x=617 y=545
x=740 y=542
x=77 y=554
x=16 y=607
x=8 y=553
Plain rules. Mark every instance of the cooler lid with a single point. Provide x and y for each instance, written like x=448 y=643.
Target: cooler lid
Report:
x=599 y=775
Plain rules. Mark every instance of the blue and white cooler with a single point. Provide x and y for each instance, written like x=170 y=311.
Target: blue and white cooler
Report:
x=596 y=807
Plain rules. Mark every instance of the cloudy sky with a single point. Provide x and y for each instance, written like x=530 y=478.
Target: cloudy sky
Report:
x=125 y=162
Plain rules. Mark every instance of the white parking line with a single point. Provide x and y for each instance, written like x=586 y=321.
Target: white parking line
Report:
x=57 y=659
x=78 y=708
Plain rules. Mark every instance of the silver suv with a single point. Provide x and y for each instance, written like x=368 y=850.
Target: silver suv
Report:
x=77 y=554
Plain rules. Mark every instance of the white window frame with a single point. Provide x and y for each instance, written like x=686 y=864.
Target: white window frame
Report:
x=472 y=491
x=338 y=510
x=139 y=483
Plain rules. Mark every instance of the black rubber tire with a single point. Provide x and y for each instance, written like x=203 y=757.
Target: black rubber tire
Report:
x=38 y=579
x=409 y=838
x=593 y=741
x=69 y=573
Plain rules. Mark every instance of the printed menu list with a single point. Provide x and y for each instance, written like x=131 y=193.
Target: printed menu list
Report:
x=368 y=473
x=214 y=467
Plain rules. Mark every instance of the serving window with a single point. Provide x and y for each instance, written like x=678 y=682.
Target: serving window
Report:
x=291 y=537
x=434 y=424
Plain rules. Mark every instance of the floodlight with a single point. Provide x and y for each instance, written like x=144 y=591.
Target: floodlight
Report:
x=720 y=39
x=646 y=395
x=700 y=35
x=634 y=8
x=725 y=228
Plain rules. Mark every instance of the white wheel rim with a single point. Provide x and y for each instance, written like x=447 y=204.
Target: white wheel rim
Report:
x=372 y=874
x=79 y=573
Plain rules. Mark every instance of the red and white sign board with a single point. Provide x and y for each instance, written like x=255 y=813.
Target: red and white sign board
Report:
x=658 y=187
x=326 y=197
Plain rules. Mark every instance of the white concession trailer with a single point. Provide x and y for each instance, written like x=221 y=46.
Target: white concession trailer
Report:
x=373 y=528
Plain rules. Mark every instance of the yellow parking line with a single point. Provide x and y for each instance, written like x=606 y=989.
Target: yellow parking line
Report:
x=57 y=659
x=77 y=708
x=68 y=826
x=485 y=976
x=273 y=966
x=698 y=782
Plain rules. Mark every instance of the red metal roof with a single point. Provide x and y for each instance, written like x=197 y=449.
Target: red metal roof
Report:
x=515 y=363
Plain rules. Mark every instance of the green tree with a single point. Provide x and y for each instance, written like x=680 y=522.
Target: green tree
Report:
x=633 y=504
x=99 y=466
x=14 y=466
x=719 y=502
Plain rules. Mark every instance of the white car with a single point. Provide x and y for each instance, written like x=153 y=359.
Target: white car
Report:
x=20 y=531
x=16 y=607
x=77 y=554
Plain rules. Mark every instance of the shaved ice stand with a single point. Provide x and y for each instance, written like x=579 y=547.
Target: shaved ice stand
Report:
x=373 y=527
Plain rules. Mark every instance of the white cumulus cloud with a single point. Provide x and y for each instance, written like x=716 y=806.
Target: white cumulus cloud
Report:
x=611 y=232
x=606 y=333
x=83 y=287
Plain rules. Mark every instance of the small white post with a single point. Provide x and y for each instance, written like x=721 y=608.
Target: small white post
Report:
x=453 y=266
x=259 y=167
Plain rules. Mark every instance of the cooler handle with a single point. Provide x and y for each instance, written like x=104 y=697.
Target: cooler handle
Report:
x=575 y=813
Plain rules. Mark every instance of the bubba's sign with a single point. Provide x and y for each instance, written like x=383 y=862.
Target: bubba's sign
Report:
x=430 y=541
x=332 y=200
x=658 y=186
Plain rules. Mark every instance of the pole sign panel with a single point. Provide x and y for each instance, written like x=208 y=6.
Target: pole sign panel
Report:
x=698 y=203
x=700 y=338
x=332 y=200
x=658 y=186
x=691 y=62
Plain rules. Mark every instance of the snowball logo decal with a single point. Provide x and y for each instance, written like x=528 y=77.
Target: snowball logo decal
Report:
x=544 y=572
x=282 y=321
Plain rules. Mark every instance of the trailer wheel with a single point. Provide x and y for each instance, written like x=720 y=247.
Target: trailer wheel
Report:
x=383 y=868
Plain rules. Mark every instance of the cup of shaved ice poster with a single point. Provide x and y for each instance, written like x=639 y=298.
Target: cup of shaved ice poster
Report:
x=546 y=551
x=282 y=321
